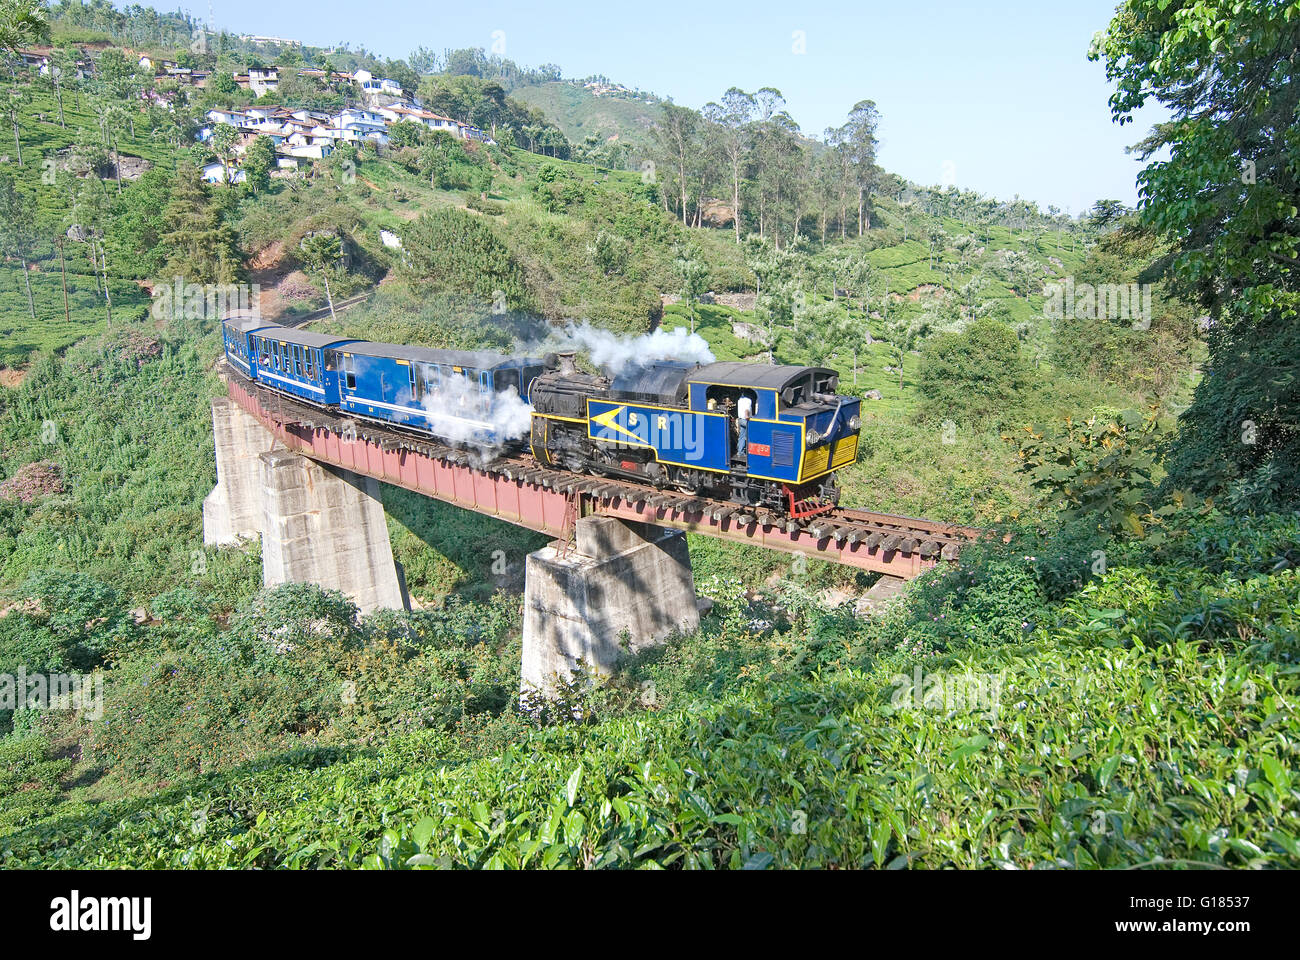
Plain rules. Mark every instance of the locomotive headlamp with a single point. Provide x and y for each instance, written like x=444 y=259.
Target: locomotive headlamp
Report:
x=814 y=437
x=855 y=422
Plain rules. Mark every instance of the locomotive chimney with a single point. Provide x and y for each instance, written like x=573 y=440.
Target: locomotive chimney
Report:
x=566 y=363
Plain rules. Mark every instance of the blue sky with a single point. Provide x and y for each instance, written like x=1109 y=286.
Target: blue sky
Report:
x=997 y=97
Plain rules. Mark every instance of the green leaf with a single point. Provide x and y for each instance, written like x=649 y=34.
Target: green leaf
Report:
x=1106 y=771
x=571 y=789
x=423 y=830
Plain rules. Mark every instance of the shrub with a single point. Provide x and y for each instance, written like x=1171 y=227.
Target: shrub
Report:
x=974 y=376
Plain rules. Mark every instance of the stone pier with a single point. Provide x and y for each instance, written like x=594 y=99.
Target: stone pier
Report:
x=232 y=511
x=326 y=525
x=318 y=524
x=621 y=587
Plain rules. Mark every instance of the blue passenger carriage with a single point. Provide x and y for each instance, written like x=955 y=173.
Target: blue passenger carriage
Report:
x=294 y=362
x=452 y=394
x=235 y=331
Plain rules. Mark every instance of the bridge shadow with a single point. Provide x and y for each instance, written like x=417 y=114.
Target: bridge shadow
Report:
x=450 y=551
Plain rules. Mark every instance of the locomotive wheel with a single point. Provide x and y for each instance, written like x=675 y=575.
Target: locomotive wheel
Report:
x=688 y=481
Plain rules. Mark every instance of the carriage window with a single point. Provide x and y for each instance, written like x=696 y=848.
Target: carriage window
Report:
x=310 y=364
x=331 y=359
x=350 y=371
x=297 y=359
x=264 y=352
x=415 y=383
x=507 y=380
x=797 y=392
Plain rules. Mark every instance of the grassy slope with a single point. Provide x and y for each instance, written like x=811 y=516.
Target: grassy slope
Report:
x=580 y=113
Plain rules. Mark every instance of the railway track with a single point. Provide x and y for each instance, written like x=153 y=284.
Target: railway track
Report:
x=846 y=526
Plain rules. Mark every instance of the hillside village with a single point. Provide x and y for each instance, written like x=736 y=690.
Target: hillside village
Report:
x=312 y=134
x=297 y=135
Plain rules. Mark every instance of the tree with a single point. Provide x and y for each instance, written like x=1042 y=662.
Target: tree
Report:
x=676 y=141
x=732 y=117
x=259 y=161
x=938 y=241
x=224 y=139
x=860 y=137
x=202 y=245
x=22 y=22
x=16 y=216
x=16 y=98
x=1106 y=213
x=903 y=334
x=693 y=272
x=322 y=253
x=776 y=288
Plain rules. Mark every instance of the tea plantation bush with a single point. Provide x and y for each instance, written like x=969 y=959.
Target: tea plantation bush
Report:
x=1152 y=723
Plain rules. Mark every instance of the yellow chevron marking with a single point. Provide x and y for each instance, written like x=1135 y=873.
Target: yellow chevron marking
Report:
x=606 y=419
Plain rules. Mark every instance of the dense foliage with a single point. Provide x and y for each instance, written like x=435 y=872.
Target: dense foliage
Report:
x=1227 y=198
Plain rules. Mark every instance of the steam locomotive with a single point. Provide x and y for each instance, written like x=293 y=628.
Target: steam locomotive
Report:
x=768 y=437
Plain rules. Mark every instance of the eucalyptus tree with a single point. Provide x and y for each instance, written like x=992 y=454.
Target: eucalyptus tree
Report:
x=732 y=118
x=16 y=217
x=321 y=255
x=938 y=239
x=14 y=104
x=693 y=273
x=676 y=144
x=860 y=136
x=224 y=139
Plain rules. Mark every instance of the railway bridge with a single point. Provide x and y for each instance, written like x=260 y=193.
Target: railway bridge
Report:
x=617 y=575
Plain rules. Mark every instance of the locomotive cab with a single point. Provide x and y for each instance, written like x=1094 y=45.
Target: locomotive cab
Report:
x=798 y=432
x=764 y=436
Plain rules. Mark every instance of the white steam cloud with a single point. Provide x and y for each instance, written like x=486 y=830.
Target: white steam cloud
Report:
x=615 y=353
x=468 y=414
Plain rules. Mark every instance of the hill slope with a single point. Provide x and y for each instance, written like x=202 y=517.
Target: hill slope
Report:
x=579 y=113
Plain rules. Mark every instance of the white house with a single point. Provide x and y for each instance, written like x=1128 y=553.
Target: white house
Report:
x=355 y=125
x=309 y=151
x=372 y=85
x=236 y=118
x=217 y=172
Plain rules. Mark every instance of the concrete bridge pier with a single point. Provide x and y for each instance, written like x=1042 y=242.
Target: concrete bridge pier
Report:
x=326 y=525
x=623 y=586
x=232 y=511
x=318 y=524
